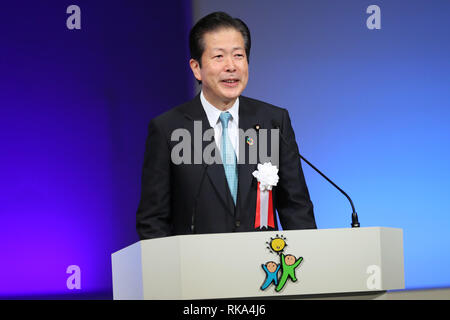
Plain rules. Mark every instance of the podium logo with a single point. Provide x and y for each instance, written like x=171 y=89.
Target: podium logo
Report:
x=278 y=273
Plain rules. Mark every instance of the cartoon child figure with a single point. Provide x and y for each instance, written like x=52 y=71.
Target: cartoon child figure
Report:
x=271 y=269
x=288 y=265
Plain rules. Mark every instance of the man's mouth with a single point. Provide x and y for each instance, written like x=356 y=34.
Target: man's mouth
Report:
x=230 y=82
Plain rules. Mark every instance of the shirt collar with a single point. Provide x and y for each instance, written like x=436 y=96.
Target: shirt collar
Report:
x=213 y=113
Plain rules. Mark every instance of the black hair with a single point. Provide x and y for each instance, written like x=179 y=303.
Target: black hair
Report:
x=212 y=22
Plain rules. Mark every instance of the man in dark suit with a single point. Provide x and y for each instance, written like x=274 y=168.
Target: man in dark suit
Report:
x=194 y=197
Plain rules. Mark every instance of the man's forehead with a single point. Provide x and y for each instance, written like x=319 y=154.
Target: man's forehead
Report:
x=221 y=35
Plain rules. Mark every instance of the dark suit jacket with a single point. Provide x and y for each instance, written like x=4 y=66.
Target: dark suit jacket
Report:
x=169 y=191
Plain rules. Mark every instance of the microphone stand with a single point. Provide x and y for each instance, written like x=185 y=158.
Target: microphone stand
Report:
x=355 y=222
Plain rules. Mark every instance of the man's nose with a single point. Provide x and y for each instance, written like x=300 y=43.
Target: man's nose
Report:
x=229 y=65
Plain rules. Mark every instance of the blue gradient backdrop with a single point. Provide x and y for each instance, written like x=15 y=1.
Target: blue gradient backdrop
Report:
x=369 y=107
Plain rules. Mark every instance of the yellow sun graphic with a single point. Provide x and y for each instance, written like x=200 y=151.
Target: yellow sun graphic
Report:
x=277 y=244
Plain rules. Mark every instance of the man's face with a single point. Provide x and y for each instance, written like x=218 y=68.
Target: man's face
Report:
x=224 y=71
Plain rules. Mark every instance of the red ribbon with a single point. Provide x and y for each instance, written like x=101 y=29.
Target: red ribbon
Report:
x=270 y=215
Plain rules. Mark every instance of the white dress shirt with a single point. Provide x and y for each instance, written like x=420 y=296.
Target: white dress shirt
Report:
x=213 y=115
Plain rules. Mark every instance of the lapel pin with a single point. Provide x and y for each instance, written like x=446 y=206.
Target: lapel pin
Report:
x=249 y=141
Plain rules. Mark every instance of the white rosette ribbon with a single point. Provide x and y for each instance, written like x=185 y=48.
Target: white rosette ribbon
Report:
x=267 y=176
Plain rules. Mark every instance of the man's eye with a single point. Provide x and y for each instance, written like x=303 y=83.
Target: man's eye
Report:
x=218 y=56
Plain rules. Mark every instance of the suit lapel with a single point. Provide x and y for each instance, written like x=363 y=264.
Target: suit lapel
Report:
x=247 y=120
x=215 y=171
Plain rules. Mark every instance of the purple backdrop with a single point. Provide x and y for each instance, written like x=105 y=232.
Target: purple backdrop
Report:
x=74 y=109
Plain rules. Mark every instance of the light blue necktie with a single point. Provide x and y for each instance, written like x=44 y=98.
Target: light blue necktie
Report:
x=228 y=156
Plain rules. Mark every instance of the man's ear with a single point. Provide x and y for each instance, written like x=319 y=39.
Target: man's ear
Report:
x=195 y=67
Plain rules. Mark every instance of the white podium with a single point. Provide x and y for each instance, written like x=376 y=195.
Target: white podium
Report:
x=229 y=265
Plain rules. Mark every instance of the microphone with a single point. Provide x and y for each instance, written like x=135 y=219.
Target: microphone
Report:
x=355 y=222
x=194 y=208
